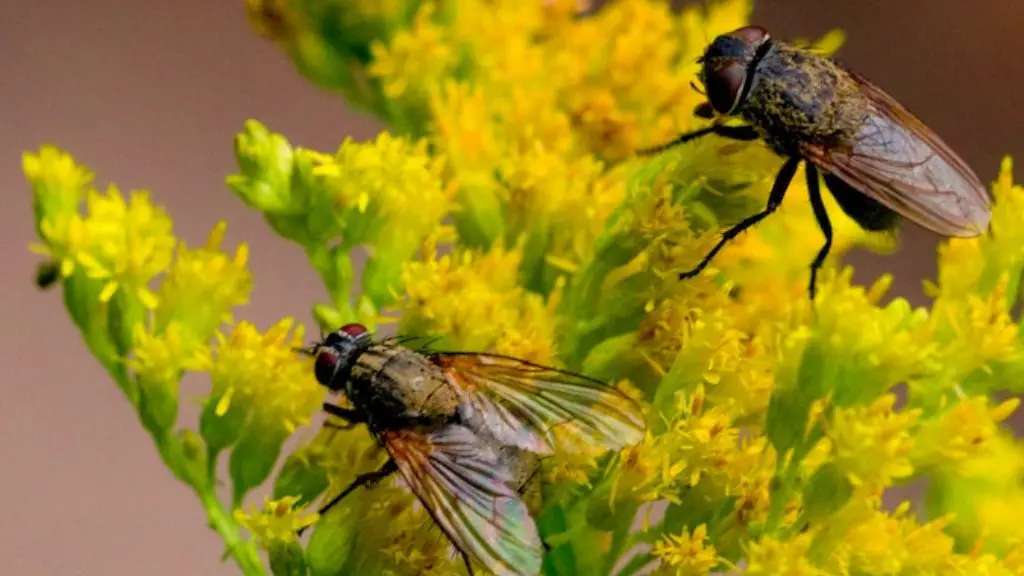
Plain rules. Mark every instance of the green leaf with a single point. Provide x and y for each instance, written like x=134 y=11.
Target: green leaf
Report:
x=194 y=465
x=614 y=358
x=330 y=546
x=222 y=430
x=287 y=559
x=789 y=407
x=81 y=298
x=827 y=491
x=300 y=476
x=560 y=560
x=158 y=406
x=480 y=222
x=253 y=458
x=381 y=278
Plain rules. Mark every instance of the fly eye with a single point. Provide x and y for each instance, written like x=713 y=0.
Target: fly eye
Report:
x=326 y=366
x=725 y=86
x=353 y=330
x=750 y=34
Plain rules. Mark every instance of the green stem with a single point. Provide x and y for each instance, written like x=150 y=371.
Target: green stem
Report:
x=241 y=550
x=219 y=517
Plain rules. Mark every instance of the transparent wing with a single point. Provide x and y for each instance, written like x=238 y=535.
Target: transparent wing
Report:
x=470 y=494
x=522 y=403
x=898 y=161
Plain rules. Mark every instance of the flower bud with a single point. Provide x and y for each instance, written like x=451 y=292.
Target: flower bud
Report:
x=265 y=159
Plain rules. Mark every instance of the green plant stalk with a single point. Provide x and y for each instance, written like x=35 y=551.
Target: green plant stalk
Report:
x=221 y=521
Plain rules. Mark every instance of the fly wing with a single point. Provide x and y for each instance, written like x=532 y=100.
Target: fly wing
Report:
x=470 y=494
x=898 y=161
x=522 y=403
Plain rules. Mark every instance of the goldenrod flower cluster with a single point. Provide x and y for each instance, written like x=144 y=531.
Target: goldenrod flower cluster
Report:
x=504 y=210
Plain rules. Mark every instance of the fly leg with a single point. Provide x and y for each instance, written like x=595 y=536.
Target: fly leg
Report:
x=351 y=417
x=821 y=215
x=742 y=133
x=346 y=414
x=368 y=479
x=782 y=182
x=465 y=560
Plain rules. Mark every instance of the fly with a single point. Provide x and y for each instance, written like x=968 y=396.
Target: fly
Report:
x=877 y=159
x=465 y=430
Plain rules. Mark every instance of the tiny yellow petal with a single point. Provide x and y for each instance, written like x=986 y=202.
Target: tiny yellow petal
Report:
x=108 y=291
x=224 y=403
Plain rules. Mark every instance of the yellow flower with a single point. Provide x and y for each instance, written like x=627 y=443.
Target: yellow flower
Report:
x=872 y=443
x=263 y=373
x=500 y=38
x=203 y=285
x=560 y=205
x=889 y=344
x=970 y=265
x=701 y=446
x=704 y=344
x=58 y=186
x=416 y=59
x=1007 y=242
x=874 y=541
x=387 y=193
x=772 y=557
x=984 y=320
x=463 y=130
x=122 y=243
x=960 y=431
x=277 y=523
x=473 y=302
x=983 y=493
x=531 y=336
x=689 y=553
x=159 y=358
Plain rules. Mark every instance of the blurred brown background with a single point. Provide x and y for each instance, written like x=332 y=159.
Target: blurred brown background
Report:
x=149 y=94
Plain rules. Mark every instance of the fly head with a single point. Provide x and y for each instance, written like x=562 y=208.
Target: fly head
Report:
x=729 y=65
x=337 y=353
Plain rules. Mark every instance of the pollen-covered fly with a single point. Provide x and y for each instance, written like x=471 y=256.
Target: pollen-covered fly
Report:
x=878 y=160
x=464 y=430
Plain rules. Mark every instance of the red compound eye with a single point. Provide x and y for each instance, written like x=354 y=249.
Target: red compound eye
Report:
x=353 y=330
x=326 y=366
x=750 y=34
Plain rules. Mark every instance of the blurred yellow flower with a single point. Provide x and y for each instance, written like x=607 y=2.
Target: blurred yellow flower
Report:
x=416 y=59
x=771 y=557
x=277 y=522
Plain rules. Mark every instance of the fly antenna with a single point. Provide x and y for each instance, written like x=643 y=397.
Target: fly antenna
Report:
x=310 y=350
x=425 y=347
